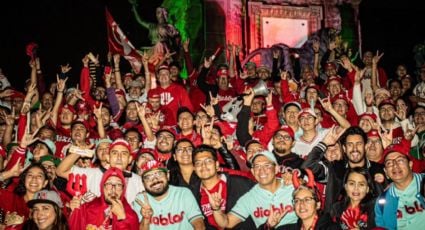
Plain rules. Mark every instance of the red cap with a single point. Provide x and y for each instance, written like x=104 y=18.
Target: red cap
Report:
x=387 y=101
x=120 y=142
x=330 y=65
x=312 y=85
x=115 y=134
x=399 y=148
x=130 y=75
x=69 y=107
x=287 y=129
x=373 y=133
x=151 y=165
x=164 y=67
x=368 y=115
x=339 y=96
x=17 y=94
x=307 y=111
x=153 y=93
x=222 y=72
x=333 y=78
x=83 y=107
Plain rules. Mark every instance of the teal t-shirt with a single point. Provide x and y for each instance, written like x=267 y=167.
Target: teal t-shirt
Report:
x=257 y=203
x=410 y=213
x=175 y=211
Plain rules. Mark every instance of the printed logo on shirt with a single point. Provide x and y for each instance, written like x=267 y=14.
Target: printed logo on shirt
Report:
x=166 y=98
x=261 y=212
x=167 y=219
x=410 y=210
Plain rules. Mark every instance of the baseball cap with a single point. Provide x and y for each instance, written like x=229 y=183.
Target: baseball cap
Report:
x=164 y=67
x=387 y=101
x=292 y=103
x=152 y=165
x=307 y=111
x=51 y=147
x=340 y=96
x=69 y=107
x=269 y=155
x=46 y=196
x=382 y=91
x=399 y=148
x=373 y=133
x=250 y=64
x=120 y=142
x=222 y=72
x=368 y=115
x=56 y=161
x=152 y=93
x=330 y=65
x=263 y=67
x=135 y=83
x=287 y=129
x=333 y=78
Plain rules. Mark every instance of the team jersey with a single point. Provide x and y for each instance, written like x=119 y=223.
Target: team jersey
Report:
x=175 y=211
x=258 y=201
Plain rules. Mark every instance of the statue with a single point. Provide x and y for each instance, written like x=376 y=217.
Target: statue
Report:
x=164 y=37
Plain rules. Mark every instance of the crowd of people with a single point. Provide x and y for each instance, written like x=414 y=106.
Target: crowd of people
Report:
x=337 y=146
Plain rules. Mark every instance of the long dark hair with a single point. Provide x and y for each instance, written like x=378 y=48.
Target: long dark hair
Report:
x=20 y=189
x=61 y=222
x=173 y=165
x=370 y=195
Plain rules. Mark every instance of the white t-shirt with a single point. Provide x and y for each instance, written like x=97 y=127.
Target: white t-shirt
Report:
x=94 y=177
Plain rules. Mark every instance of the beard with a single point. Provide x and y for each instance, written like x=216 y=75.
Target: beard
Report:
x=160 y=192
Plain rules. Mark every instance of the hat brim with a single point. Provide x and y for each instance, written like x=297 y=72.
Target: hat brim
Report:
x=31 y=203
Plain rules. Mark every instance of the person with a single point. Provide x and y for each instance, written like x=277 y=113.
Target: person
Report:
x=358 y=198
x=109 y=211
x=32 y=180
x=119 y=156
x=46 y=212
x=231 y=187
x=353 y=141
x=164 y=206
x=268 y=195
x=400 y=206
x=307 y=208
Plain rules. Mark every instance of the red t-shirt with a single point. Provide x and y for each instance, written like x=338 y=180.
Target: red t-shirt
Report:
x=205 y=204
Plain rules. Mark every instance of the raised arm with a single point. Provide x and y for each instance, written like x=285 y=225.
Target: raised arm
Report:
x=60 y=88
x=117 y=72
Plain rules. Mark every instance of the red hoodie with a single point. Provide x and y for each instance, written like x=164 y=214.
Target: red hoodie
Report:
x=94 y=213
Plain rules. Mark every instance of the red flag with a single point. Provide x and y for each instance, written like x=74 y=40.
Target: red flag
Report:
x=119 y=43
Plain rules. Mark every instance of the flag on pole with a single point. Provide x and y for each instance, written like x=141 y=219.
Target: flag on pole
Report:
x=119 y=43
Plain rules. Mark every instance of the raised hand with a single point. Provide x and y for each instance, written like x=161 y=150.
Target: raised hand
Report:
x=75 y=203
x=146 y=211
x=61 y=83
x=284 y=75
x=316 y=46
x=333 y=135
x=386 y=136
x=326 y=104
x=275 y=217
x=98 y=111
x=186 y=45
x=215 y=198
x=65 y=68
x=208 y=62
x=243 y=75
x=376 y=58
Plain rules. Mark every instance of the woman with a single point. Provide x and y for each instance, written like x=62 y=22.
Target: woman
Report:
x=356 y=209
x=46 y=212
x=31 y=181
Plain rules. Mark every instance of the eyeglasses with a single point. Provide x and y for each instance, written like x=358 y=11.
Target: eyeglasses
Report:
x=207 y=161
x=152 y=176
x=399 y=161
x=188 y=149
x=132 y=139
x=117 y=187
x=307 y=118
x=264 y=166
x=282 y=137
x=307 y=200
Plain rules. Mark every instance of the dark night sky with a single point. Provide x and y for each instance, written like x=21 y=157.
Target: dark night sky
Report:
x=68 y=29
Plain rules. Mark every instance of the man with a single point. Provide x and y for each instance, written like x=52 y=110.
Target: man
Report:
x=283 y=141
x=353 y=142
x=164 y=206
x=270 y=195
x=290 y=111
x=231 y=187
x=311 y=135
x=119 y=156
x=401 y=205
x=162 y=145
x=172 y=94
x=185 y=125
x=109 y=211
x=374 y=147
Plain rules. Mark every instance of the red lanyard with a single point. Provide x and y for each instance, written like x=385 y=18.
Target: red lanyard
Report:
x=312 y=226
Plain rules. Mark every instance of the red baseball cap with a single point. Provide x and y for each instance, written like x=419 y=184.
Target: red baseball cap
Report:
x=399 y=148
x=69 y=107
x=368 y=115
x=340 y=96
x=120 y=142
x=151 y=165
x=287 y=129
x=373 y=133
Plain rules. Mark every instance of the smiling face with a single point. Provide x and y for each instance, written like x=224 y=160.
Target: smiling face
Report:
x=398 y=168
x=156 y=182
x=164 y=142
x=264 y=170
x=44 y=215
x=183 y=153
x=356 y=187
x=282 y=142
x=355 y=149
x=305 y=205
x=35 y=180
